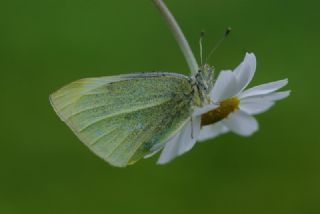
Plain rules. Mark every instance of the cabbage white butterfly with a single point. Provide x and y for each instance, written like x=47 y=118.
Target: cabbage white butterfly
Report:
x=124 y=118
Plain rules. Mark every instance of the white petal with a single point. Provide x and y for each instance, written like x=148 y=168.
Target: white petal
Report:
x=196 y=125
x=230 y=84
x=271 y=97
x=212 y=131
x=170 y=150
x=241 y=123
x=189 y=137
x=182 y=142
x=264 y=88
x=225 y=87
x=253 y=108
x=205 y=109
x=245 y=71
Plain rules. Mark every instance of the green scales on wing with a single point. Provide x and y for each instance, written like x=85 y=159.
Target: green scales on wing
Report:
x=120 y=118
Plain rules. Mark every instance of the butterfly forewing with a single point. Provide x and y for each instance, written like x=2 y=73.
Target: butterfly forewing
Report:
x=121 y=118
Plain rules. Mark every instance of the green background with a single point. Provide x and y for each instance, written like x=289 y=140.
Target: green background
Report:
x=47 y=44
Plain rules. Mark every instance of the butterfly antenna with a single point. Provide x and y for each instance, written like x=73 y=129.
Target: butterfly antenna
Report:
x=226 y=34
x=201 y=47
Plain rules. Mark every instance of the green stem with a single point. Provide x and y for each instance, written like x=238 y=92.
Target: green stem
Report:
x=178 y=35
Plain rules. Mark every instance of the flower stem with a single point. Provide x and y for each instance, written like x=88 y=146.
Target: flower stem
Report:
x=178 y=35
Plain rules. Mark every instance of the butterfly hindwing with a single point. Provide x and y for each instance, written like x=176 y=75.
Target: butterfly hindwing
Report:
x=120 y=118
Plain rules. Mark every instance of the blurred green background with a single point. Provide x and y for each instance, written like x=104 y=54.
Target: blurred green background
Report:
x=47 y=44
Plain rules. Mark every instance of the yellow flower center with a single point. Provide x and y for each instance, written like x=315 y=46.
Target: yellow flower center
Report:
x=225 y=108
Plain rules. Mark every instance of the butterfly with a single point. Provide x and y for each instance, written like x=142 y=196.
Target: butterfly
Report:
x=124 y=118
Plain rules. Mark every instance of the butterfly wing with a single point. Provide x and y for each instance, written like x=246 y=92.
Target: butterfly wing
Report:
x=120 y=118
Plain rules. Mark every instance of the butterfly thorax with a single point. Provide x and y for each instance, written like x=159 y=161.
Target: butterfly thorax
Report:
x=203 y=84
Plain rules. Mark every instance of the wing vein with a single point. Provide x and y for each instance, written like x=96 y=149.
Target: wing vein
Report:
x=160 y=101
x=127 y=111
x=92 y=143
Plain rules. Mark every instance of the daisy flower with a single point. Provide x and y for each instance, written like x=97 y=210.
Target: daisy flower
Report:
x=232 y=108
